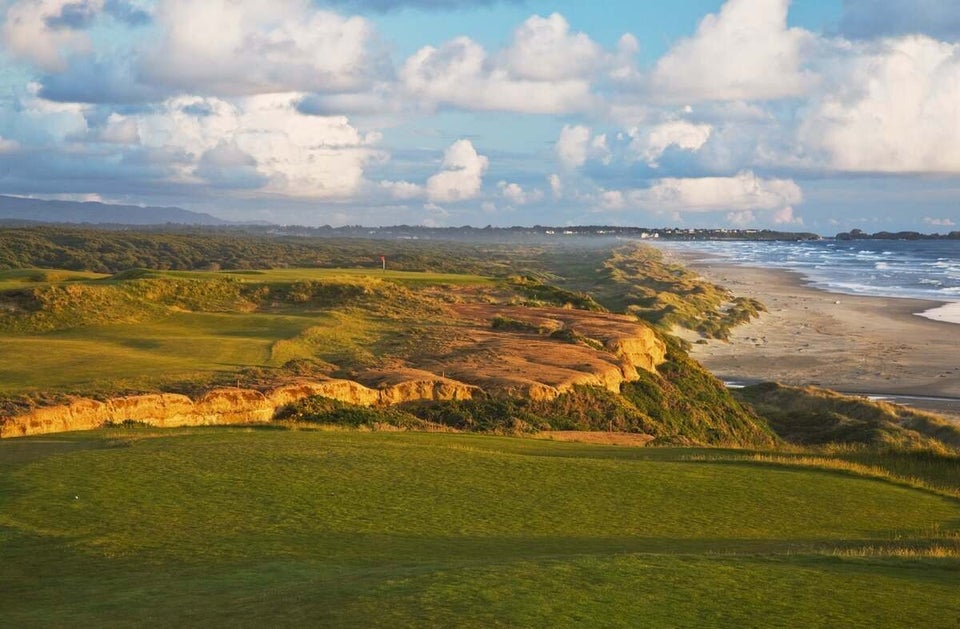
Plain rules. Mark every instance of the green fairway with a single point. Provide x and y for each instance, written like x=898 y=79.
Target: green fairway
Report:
x=137 y=354
x=264 y=527
x=281 y=276
x=22 y=278
x=402 y=277
x=130 y=339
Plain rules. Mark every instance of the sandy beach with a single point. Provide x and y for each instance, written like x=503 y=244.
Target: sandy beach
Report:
x=855 y=344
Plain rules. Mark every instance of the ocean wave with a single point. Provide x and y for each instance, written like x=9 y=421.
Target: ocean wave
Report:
x=921 y=269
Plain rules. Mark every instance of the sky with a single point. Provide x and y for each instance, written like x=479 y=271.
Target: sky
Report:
x=811 y=115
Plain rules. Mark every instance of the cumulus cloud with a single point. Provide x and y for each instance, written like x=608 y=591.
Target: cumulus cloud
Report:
x=546 y=69
x=556 y=186
x=458 y=73
x=893 y=109
x=740 y=193
x=544 y=49
x=574 y=146
x=392 y=5
x=119 y=130
x=868 y=19
x=228 y=166
x=40 y=31
x=786 y=216
x=571 y=147
x=48 y=33
x=516 y=195
x=939 y=222
x=402 y=190
x=649 y=144
x=743 y=218
x=745 y=52
x=225 y=47
x=261 y=139
x=462 y=174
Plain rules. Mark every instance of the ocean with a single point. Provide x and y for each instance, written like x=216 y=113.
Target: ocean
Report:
x=919 y=269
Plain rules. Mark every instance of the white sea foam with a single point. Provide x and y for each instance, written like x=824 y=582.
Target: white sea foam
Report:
x=906 y=269
x=947 y=312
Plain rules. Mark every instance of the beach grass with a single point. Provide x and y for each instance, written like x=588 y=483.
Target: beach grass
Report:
x=247 y=527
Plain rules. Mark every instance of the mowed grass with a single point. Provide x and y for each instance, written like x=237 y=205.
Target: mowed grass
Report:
x=265 y=527
x=175 y=346
x=21 y=278
x=188 y=345
x=289 y=276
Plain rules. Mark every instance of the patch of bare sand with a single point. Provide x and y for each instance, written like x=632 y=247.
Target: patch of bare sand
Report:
x=847 y=343
x=535 y=364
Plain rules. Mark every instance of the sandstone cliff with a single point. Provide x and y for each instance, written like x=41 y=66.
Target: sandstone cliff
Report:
x=607 y=351
x=219 y=406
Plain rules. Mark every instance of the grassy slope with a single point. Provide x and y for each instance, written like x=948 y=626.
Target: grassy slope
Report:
x=141 y=336
x=813 y=416
x=239 y=527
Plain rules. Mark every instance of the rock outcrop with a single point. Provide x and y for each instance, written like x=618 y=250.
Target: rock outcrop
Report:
x=219 y=406
x=599 y=349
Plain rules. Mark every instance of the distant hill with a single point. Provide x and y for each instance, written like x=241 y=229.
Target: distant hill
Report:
x=43 y=211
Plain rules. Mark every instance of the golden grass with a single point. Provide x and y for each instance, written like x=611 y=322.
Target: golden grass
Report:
x=606 y=438
x=937 y=551
x=829 y=464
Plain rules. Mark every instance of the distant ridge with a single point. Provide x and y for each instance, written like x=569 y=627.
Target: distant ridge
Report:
x=44 y=211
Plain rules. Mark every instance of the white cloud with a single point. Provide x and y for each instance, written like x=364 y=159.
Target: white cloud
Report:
x=745 y=52
x=613 y=200
x=649 y=144
x=742 y=192
x=743 y=218
x=939 y=222
x=556 y=186
x=516 y=195
x=403 y=190
x=458 y=73
x=893 y=109
x=227 y=47
x=296 y=155
x=29 y=32
x=544 y=49
x=574 y=146
x=462 y=174
x=546 y=69
x=120 y=130
x=39 y=122
x=786 y=216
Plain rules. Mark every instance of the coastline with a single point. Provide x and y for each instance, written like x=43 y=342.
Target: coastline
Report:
x=878 y=346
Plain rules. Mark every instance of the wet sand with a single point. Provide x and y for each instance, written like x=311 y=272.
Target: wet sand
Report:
x=854 y=344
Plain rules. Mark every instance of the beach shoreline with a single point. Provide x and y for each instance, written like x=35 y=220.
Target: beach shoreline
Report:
x=878 y=346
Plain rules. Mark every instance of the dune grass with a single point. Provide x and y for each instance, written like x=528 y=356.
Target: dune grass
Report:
x=252 y=527
x=142 y=328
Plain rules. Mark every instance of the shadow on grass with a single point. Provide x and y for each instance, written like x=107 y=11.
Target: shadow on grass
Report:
x=372 y=575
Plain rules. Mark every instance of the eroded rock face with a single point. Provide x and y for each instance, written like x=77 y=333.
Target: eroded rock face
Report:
x=593 y=348
x=610 y=351
x=220 y=406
